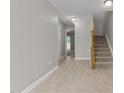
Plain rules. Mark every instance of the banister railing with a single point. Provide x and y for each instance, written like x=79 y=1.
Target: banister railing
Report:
x=92 y=50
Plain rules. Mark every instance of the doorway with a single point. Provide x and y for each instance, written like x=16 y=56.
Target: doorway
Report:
x=70 y=43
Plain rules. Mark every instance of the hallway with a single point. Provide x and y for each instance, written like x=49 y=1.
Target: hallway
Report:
x=39 y=31
x=77 y=77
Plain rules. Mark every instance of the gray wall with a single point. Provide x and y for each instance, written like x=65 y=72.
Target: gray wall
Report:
x=34 y=40
x=62 y=46
x=108 y=26
x=83 y=37
x=84 y=10
x=99 y=22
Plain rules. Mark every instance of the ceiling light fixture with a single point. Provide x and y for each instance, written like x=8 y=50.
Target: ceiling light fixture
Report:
x=108 y=2
x=73 y=18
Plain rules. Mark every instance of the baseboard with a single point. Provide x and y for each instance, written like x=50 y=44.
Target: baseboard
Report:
x=40 y=80
x=82 y=58
x=109 y=44
x=63 y=57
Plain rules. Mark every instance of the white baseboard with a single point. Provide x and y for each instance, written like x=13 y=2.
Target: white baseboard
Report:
x=63 y=57
x=40 y=80
x=109 y=44
x=82 y=58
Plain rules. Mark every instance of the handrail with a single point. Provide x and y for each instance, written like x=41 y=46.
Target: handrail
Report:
x=92 y=50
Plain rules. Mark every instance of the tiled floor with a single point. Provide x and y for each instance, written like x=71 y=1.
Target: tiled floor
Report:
x=77 y=77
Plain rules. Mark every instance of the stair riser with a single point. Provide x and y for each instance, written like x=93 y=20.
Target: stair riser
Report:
x=100 y=43
x=103 y=63
x=99 y=39
x=100 y=46
x=103 y=59
x=103 y=54
x=102 y=50
x=99 y=36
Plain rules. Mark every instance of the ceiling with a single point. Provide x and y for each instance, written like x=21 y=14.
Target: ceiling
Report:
x=79 y=7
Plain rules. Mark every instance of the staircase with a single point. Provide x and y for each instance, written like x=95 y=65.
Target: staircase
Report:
x=102 y=51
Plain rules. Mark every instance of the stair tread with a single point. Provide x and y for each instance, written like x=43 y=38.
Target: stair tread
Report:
x=102 y=51
x=103 y=41
x=102 y=48
x=104 y=63
x=100 y=43
x=100 y=36
x=103 y=57
x=103 y=54
x=100 y=39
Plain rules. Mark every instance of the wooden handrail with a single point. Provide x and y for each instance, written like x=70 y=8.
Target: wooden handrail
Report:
x=92 y=51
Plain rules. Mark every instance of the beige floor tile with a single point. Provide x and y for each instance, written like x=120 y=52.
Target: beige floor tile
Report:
x=77 y=77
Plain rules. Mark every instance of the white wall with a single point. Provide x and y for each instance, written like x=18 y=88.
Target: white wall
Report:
x=83 y=9
x=108 y=26
x=99 y=22
x=83 y=37
x=34 y=40
x=103 y=21
x=62 y=46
